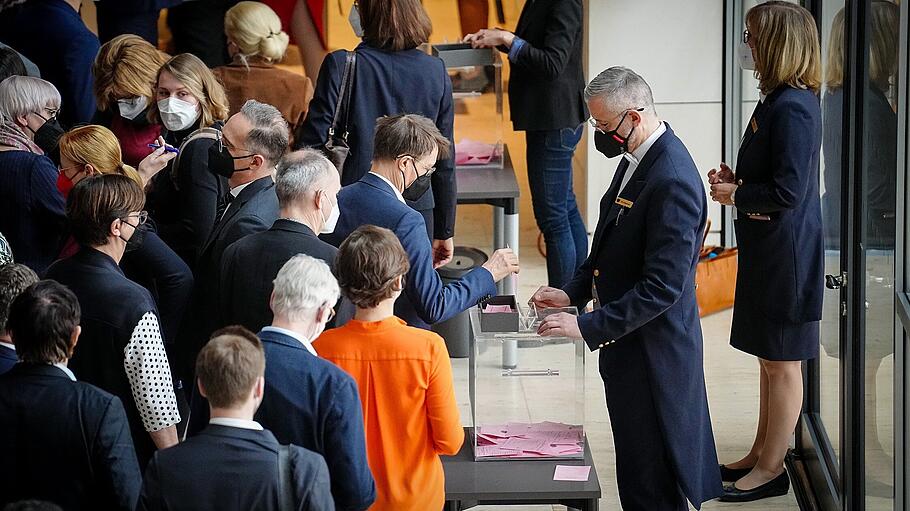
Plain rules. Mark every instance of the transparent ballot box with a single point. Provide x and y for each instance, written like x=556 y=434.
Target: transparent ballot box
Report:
x=477 y=93
x=526 y=392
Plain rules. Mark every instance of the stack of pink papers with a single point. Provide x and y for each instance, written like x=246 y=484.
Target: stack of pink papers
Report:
x=470 y=152
x=529 y=440
x=497 y=309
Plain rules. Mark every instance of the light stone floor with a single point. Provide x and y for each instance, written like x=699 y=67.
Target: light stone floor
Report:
x=732 y=381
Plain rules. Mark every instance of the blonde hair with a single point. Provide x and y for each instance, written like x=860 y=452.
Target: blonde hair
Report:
x=885 y=44
x=96 y=146
x=201 y=83
x=883 y=52
x=126 y=67
x=834 y=68
x=786 y=46
x=256 y=30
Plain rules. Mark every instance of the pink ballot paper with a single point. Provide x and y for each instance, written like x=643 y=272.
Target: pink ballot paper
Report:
x=471 y=152
x=571 y=473
x=497 y=309
x=529 y=440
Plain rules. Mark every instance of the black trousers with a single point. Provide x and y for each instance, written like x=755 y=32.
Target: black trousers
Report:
x=644 y=475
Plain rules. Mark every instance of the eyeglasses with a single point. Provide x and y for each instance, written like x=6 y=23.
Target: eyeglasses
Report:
x=62 y=170
x=602 y=126
x=222 y=146
x=143 y=217
x=331 y=315
x=427 y=172
x=52 y=113
x=747 y=36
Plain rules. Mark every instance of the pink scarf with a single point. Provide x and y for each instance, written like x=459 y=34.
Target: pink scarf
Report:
x=11 y=135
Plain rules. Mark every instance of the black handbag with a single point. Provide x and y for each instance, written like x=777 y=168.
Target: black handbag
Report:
x=336 y=147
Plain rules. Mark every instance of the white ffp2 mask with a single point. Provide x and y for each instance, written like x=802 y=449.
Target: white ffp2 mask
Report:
x=331 y=221
x=131 y=108
x=744 y=55
x=176 y=114
x=354 y=20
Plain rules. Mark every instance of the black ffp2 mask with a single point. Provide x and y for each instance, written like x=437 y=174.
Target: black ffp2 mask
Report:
x=611 y=143
x=47 y=137
x=221 y=163
x=419 y=187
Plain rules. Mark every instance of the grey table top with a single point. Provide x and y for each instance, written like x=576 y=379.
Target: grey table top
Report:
x=484 y=183
x=471 y=480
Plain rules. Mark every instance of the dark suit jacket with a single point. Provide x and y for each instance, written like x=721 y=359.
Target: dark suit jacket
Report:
x=52 y=35
x=249 y=266
x=8 y=359
x=426 y=300
x=32 y=210
x=112 y=306
x=228 y=468
x=254 y=210
x=781 y=261
x=547 y=81
x=63 y=441
x=388 y=83
x=312 y=403
x=644 y=270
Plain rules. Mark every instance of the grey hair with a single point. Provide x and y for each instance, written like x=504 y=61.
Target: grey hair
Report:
x=20 y=95
x=300 y=173
x=270 y=135
x=303 y=284
x=620 y=88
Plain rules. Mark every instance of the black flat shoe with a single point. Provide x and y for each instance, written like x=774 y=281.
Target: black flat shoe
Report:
x=776 y=487
x=731 y=475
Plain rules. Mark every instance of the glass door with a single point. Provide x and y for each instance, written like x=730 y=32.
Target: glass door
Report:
x=877 y=211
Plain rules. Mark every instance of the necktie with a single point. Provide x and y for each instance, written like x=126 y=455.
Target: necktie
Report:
x=223 y=205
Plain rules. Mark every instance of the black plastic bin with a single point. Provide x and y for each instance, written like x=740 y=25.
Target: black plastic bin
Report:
x=457 y=330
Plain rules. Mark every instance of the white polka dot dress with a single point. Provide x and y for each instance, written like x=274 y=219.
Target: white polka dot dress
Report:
x=149 y=374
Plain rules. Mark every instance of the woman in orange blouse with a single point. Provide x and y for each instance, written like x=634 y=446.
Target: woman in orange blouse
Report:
x=403 y=374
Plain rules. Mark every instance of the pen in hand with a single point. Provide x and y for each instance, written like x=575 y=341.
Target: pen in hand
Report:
x=167 y=148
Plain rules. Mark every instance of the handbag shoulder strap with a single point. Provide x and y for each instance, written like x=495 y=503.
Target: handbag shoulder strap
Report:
x=286 y=496
x=202 y=133
x=344 y=98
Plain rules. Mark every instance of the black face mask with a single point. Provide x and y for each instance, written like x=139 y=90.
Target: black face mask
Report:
x=47 y=137
x=611 y=143
x=221 y=163
x=419 y=187
x=136 y=239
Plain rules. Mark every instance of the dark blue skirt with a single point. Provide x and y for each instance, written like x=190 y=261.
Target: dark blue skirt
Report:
x=777 y=340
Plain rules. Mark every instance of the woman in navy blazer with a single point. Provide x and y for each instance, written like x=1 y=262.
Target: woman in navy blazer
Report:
x=778 y=227
x=391 y=76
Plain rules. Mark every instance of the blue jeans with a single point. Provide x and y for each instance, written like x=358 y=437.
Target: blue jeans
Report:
x=550 y=177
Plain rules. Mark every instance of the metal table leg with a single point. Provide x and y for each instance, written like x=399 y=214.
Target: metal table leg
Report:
x=499 y=240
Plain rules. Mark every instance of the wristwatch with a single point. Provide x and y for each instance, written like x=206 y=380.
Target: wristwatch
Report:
x=733 y=197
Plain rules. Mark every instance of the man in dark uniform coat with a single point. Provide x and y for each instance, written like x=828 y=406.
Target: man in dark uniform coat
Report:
x=641 y=273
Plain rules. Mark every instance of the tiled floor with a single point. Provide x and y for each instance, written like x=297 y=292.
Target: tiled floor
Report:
x=732 y=391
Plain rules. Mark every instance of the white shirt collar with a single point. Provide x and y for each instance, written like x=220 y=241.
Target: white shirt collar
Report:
x=636 y=156
x=8 y=345
x=235 y=191
x=290 y=333
x=235 y=423
x=394 y=188
x=66 y=370
x=762 y=97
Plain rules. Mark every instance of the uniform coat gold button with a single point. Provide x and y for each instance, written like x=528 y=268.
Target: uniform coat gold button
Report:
x=597 y=273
